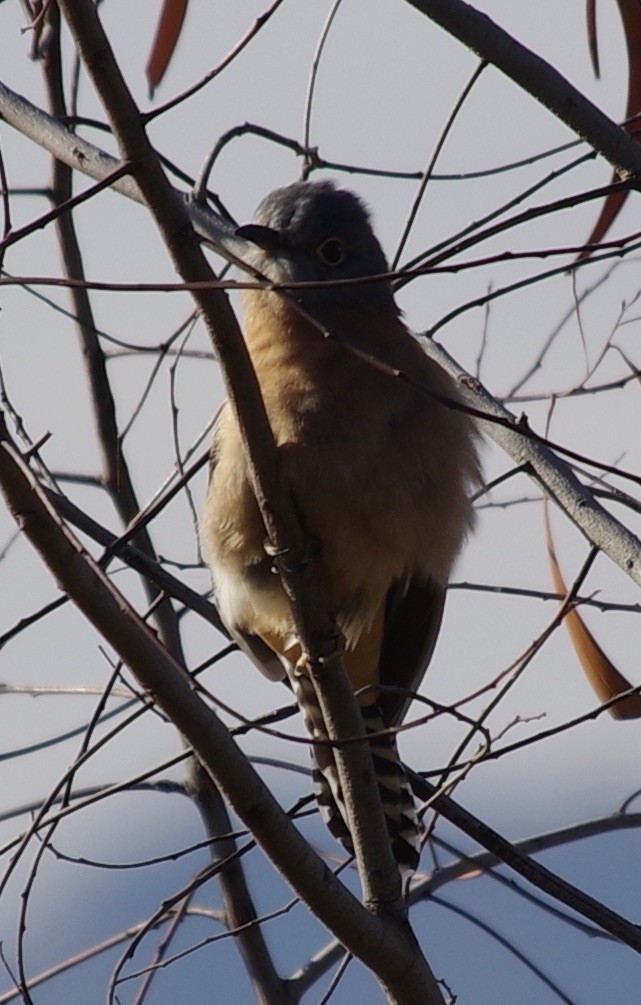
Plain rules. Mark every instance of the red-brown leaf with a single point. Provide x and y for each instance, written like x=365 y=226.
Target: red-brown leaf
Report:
x=605 y=679
x=630 y=11
x=167 y=34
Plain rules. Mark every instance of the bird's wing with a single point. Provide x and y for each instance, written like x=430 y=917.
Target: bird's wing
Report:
x=413 y=617
x=261 y=654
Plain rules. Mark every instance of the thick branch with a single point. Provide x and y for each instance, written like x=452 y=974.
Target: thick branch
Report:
x=116 y=475
x=243 y=391
x=484 y=861
x=537 y=874
x=314 y=628
x=383 y=947
x=538 y=78
x=241 y=917
x=599 y=527
x=556 y=477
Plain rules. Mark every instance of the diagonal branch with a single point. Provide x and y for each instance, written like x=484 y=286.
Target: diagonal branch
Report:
x=541 y=877
x=554 y=475
x=116 y=475
x=314 y=627
x=118 y=481
x=599 y=527
x=382 y=946
x=241 y=916
x=532 y=73
x=403 y=980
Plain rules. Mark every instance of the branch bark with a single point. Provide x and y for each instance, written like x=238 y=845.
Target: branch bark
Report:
x=314 y=628
x=117 y=479
x=317 y=634
x=115 y=470
x=599 y=527
x=534 y=75
x=553 y=474
x=592 y=125
x=241 y=916
x=383 y=945
x=378 y=871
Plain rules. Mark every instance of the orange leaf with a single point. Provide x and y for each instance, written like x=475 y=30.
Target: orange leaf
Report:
x=167 y=35
x=604 y=677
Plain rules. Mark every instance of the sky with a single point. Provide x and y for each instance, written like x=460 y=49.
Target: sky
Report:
x=386 y=84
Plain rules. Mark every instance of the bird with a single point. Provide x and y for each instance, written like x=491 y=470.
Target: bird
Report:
x=381 y=470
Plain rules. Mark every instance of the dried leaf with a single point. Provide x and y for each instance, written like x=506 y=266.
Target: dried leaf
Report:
x=167 y=34
x=630 y=11
x=604 y=677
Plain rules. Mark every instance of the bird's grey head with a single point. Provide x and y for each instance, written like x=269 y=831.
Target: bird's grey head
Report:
x=316 y=232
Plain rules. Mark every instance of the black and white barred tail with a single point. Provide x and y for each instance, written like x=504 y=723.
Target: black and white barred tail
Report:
x=394 y=788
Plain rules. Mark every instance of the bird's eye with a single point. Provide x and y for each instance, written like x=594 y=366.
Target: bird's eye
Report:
x=331 y=251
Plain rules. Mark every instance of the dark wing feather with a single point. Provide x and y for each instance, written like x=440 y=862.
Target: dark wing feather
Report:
x=412 y=621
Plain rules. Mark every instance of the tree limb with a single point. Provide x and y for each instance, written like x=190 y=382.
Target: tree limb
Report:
x=599 y=527
x=554 y=475
x=382 y=946
x=534 y=75
x=314 y=627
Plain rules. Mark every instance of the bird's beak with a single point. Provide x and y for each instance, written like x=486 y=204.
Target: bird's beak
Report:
x=263 y=237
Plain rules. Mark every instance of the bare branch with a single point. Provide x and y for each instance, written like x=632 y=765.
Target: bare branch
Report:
x=383 y=947
x=314 y=628
x=477 y=31
x=578 y=503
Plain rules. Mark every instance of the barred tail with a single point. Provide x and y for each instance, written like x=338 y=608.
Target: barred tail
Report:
x=396 y=793
x=394 y=788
